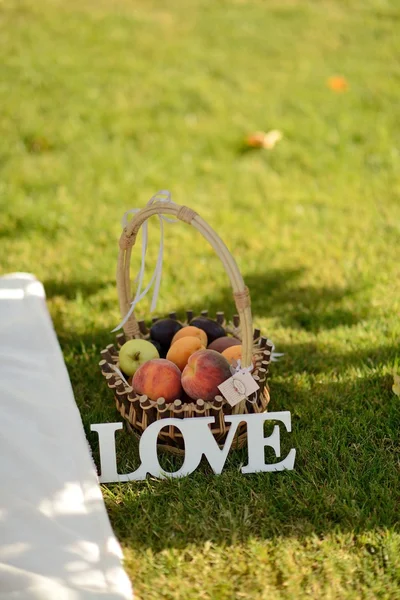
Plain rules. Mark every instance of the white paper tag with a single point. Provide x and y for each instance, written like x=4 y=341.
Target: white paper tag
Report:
x=238 y=387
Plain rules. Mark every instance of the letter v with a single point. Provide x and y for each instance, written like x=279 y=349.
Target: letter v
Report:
x=215 y=455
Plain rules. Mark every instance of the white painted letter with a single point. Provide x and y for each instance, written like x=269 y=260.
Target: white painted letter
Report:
x=215 y=455
x=192 y=431
x=256 y=441
x=198 y=440
x=108 y=460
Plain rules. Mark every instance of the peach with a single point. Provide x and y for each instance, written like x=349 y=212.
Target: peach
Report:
x=205 y=371
x=233 y=354
x=180 y=351
x=222 y=343
x=192 y=332
x=158 y=378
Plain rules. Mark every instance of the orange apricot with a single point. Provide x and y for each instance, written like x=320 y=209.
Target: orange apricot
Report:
x=191 y=331
x=182 y=350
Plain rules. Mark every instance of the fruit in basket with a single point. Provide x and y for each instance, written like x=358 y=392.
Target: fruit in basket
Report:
x=213 y=329
x=222 y=343
x=233 y=353
x=162 y=350
x=205 y=371
x=191 y=331
x=182 y=349
x=135 y=353
x=163 y=331
x=156 y=345
x=158 y=378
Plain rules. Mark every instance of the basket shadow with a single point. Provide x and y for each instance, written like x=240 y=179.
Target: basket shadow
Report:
x=72 y=289
x=315 y=358
x=344 y=479
x=275 y=293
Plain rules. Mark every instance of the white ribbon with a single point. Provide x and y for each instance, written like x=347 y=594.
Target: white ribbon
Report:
x=114 y=368
x=275 y=356
x=161 y=196
x=240 y=369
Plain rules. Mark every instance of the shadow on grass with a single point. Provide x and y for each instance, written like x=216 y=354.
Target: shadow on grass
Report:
x=275 y=294
x=345 y=475
x=22 y=227
x=345 y=479
x=70 y=290
x=314 y=358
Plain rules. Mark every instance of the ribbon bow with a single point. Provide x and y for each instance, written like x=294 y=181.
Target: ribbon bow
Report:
x=239 y=369
x=161 y=196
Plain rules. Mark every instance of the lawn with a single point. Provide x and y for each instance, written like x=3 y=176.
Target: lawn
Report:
x=105 y=102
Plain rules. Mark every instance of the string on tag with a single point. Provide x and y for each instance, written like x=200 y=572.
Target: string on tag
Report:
x=161 y=196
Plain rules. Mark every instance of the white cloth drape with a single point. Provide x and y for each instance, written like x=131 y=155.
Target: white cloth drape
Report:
x=56 y=542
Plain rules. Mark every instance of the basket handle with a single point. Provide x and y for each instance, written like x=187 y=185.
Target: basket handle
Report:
x=183 y=213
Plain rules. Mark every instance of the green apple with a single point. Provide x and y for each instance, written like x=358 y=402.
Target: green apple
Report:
x=135 y=353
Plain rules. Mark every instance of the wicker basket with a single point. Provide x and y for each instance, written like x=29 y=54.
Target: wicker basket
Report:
x=140 y=411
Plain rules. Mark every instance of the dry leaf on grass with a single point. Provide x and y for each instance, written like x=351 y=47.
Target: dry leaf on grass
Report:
x=337 y=84
x=260 y=139
x=396 y=385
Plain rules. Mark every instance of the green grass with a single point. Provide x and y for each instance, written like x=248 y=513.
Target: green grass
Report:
x=102 y=104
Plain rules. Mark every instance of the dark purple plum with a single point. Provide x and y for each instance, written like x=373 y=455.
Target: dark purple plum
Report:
x=213 y=329
x=163 y=331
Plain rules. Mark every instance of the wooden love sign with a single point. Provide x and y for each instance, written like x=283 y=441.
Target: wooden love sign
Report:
x=198 y=441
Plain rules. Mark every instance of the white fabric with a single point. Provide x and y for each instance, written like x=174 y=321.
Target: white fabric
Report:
x=56 y=542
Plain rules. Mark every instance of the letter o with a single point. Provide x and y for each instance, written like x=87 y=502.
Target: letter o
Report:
x=148 y=448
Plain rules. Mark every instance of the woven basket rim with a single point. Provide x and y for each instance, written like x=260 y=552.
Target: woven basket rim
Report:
x=238 y=442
